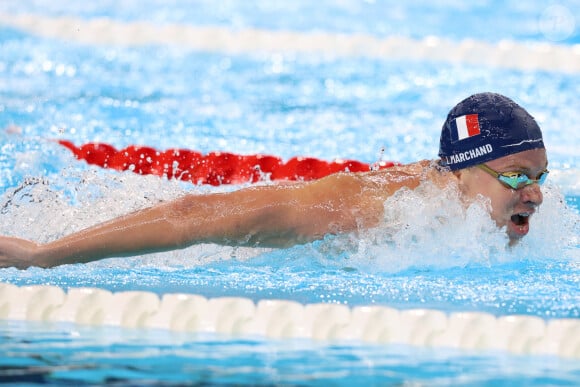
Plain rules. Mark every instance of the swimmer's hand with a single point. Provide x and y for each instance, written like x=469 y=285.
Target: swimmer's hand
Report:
x=16 y=252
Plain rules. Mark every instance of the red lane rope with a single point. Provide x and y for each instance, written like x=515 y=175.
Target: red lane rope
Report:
x=214 y=168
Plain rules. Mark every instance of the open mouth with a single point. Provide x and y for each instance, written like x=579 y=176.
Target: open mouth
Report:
x=520 y=219
x=519 y=225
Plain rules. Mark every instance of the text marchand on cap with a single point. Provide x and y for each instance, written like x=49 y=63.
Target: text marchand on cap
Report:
x=468 y=155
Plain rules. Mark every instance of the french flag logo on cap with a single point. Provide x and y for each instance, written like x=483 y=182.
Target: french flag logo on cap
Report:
x=467 y=126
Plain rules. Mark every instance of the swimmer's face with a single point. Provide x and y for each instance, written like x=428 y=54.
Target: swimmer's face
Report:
x=509 y=207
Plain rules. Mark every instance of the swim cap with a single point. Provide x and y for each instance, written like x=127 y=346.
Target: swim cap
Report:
x=485 y=127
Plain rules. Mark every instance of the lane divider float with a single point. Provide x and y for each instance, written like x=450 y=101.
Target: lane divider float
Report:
x=214 y=168
x=105 y=31
x=284 y=319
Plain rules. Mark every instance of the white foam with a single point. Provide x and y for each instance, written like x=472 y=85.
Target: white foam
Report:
x=431 y=228
x=554 y=230
x=425 y=227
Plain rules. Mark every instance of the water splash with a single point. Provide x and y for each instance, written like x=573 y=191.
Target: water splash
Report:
x=424 y=228
x=554 y=231
x=430 y=228
x=45 y=208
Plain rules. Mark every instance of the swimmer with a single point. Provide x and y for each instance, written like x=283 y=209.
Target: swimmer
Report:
x=490 y=146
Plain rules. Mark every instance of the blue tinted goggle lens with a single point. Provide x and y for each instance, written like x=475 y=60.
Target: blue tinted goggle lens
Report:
x=518 y=180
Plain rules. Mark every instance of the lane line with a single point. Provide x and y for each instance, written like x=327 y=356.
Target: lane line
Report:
x=504 y=54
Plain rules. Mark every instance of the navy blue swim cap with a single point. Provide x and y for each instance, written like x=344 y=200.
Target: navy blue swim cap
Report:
x=485 y=127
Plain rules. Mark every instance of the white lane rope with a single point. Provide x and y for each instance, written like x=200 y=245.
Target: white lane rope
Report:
x=101 y=31
x=283 y=319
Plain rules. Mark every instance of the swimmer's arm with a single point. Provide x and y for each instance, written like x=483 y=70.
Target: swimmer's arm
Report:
x=281 y=215
x=268 y=216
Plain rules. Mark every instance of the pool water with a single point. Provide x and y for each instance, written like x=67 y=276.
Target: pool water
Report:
x=284 y=103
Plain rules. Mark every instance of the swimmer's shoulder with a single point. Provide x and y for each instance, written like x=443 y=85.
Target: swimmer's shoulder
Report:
x=408 y=175
x=417 y=169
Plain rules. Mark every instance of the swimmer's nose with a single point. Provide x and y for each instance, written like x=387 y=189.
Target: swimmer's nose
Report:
x=532 y=195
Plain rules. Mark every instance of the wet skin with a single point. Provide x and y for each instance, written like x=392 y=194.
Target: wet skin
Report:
x=281 y=216
x=509 y=207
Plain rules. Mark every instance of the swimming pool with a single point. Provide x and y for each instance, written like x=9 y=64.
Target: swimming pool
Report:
x=359 y=104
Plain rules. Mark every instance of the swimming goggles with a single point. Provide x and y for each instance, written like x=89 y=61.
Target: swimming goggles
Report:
x=515 y=180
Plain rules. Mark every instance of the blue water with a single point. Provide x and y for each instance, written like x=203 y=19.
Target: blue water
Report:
x=287 y=105
x=486 y=20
